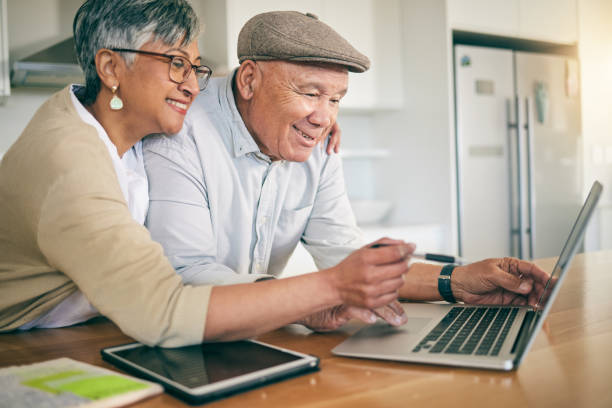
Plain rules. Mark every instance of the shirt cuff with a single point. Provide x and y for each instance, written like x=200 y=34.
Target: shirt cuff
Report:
x=189 y=320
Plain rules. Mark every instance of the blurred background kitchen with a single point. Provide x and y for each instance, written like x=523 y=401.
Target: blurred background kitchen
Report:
x=478 y=131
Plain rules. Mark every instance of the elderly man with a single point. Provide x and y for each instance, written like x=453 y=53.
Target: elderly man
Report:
x=234 y=192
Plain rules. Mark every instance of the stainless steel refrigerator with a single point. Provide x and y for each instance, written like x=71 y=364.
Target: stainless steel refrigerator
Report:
x=519 y=158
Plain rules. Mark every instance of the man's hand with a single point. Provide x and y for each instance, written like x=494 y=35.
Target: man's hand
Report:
x=335 y=317
x=371 y=277
x=393 y=313
x=507 y=281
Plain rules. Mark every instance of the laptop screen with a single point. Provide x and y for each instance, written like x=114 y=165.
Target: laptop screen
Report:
x=569 y=249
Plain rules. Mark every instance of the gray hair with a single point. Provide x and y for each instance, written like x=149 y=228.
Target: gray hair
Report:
x=127 y=24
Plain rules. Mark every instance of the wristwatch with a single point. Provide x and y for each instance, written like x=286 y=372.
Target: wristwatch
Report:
x=444 y=283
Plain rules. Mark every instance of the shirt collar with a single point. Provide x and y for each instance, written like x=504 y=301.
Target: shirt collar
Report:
x=90 y=120
x=242 y=140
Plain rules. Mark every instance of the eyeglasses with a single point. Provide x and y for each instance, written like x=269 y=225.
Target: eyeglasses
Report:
x=180 y=67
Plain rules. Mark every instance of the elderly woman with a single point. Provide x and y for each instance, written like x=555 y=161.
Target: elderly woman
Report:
x=73 y=192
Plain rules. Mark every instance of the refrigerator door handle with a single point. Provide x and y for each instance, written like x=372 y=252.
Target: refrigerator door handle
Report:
x=519 y=177
x=531 y=230
x=512 y=128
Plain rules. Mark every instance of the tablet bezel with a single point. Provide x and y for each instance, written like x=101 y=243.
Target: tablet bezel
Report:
x=220 y=388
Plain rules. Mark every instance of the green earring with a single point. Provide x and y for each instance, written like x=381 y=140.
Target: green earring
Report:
x=115 y=103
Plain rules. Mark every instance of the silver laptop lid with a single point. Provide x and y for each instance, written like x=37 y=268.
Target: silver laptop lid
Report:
x=559 y=271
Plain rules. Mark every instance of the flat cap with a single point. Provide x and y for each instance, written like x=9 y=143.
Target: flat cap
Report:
x=294 y=36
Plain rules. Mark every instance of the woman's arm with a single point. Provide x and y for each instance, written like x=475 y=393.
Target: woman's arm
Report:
x=368 y=279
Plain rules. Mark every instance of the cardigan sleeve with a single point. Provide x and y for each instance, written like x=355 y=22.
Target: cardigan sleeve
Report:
x=85 y=230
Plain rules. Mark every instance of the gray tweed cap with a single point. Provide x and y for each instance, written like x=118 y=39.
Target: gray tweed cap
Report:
x=294 y=36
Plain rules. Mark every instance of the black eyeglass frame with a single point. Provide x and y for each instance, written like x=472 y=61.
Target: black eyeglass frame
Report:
x=172 y=57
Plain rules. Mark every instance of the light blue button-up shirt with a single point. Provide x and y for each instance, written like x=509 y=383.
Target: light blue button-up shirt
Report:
x=225 y=213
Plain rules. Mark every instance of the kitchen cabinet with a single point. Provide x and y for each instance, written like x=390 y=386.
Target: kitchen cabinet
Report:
x=543 y=20
x=33 y=26
x=549 y=20
x=371 y=23
x=5 y=84
x=490 y=16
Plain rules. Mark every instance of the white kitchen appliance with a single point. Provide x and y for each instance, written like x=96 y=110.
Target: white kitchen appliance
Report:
x=519 y=169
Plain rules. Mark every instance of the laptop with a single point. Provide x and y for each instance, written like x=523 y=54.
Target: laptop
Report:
x=492 y=337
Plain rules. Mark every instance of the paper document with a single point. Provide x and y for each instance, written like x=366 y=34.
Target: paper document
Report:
x=69 y=383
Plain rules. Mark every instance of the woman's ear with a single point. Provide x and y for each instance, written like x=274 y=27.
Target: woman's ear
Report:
x=109 y=67
x=247 y=78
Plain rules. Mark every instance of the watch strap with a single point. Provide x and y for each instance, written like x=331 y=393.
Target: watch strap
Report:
x=444 y=283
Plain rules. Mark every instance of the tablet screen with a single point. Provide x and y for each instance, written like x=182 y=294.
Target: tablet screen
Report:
x=203 y=364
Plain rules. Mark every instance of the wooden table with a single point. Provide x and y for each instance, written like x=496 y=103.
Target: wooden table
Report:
x=570 y=364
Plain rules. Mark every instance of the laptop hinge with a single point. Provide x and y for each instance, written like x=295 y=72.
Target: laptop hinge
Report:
x=523 y=334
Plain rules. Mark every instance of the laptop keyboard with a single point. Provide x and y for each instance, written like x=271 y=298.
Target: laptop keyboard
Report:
x=470 y=330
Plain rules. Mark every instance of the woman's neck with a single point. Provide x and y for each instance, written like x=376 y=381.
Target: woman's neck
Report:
x=120 y=131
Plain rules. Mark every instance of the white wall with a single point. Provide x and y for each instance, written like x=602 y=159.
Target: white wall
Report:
x=419 y=175
x=358 y=133
x=595 y=33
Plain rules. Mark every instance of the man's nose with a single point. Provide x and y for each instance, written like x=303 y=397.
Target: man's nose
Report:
x=324 y=114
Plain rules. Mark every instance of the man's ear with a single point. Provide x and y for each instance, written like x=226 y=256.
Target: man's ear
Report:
x=247 y=78
x=109 y=67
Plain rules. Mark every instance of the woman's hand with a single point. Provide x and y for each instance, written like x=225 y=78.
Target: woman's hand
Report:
x=334 y=139
x=335 y=317
x=371 y=276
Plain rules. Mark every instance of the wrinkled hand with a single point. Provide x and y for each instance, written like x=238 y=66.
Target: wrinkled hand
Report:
x=507 y=281
x=335 y=317
x=371 y=277
x=393 y=313
x=334 y=139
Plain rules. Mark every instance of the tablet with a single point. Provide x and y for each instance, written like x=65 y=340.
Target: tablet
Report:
x=211 y=370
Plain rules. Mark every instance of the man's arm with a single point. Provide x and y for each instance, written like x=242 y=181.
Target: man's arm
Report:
x=331 y=234
x=491 y=281
x=366 y=280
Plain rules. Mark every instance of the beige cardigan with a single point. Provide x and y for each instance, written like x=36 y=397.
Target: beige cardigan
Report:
x=65 y=224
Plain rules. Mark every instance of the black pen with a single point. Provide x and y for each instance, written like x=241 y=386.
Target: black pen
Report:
x=431 y=257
